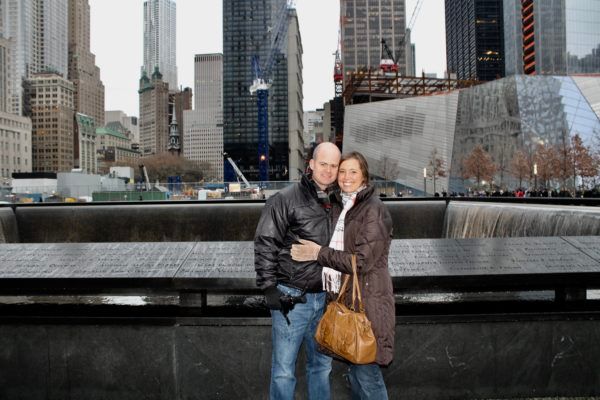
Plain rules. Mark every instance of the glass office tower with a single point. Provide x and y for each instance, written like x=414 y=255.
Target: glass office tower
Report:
x=39 y=35
x=363 y=24
x=474 y=39
x=552 y=37
x=247 y=30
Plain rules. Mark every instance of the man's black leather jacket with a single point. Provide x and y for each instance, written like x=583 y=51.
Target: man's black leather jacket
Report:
x=296 y=212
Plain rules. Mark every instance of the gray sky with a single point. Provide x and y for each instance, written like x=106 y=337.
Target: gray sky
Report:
x=117 y=42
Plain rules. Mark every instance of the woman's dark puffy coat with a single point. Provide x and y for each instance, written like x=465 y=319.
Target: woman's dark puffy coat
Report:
x=368 y=234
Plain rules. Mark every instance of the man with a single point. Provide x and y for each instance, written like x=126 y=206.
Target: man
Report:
x=298 y=211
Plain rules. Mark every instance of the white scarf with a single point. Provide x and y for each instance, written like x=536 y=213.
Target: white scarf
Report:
x=332 y=279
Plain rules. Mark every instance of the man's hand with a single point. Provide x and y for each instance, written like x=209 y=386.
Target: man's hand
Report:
x=272 y=298
x=305 y=251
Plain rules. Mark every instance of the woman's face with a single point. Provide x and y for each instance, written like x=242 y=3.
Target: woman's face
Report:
x=350 y=177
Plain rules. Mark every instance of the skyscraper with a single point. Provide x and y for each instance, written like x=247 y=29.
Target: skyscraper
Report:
x=5 y=63
x=179 y=101
x=247 y=32
x=83 y=72
x=154 y=114
x=295 y=97
x=363 y=24
x=49 y=101
x=203 y=136
x=38 y=31
x=160 y=36
x=552 y=37
x=15 y=144
x=474 y=39
x=85 y=144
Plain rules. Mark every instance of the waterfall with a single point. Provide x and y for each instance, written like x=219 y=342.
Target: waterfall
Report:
x=484 y=220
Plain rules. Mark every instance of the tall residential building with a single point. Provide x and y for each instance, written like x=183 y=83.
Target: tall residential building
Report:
x=552 y=37
x=15 y=144
x=247 y=32
x=38 y=30
x=409 y=49
x=83 y=72
x=203 y=132
x=363 y=24
x=474 y=39
x=129 y=123
x=85 y=144
x=5 y=63
x=160 y=36
x=154 y=114
x=49 y=101
x=295 y=97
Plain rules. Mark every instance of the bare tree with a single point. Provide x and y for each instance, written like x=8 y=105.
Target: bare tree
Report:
x=584 y=163
x=161 y=166
x=389 y=168
x=546 y=161
x=437 y=167
x=520 y=166
x=389 y=171
x=563 y=163
x=479 y=165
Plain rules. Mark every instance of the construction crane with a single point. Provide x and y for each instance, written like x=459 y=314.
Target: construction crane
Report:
x=338 y=69
x=389 y=62
x=237 y=170
x=146 y=181
x=262 y=83
x=415 y=14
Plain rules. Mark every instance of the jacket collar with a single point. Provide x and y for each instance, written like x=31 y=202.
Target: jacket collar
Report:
x=316 y=192
x=361 y=196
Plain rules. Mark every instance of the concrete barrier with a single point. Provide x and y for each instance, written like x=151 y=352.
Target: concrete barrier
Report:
x=8 y=226
x=450 y=344
x=182 y=221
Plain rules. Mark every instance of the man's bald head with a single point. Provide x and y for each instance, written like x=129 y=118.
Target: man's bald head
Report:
x=325 y=163
x=326 y=146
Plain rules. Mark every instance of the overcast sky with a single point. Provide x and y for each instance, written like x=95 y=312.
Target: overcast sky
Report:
x=117 y=42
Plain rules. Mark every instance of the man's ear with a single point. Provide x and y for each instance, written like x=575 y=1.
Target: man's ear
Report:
x=311 y=164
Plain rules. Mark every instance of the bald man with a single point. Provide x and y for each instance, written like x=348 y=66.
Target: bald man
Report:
x=298 y=211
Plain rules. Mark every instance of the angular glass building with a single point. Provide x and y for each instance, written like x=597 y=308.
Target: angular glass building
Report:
x=552 y=37
x=515 y=113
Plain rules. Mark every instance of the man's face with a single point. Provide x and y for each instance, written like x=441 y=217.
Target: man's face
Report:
x=325 y=167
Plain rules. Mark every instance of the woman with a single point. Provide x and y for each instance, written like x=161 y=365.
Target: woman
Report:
x=364 y=228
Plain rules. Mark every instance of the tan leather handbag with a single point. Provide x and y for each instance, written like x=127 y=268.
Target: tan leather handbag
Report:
x=345 y=331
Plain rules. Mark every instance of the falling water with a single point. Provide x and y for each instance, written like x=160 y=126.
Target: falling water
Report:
x=486 y=220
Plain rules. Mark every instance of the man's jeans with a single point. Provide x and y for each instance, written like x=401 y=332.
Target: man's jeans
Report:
x=367 y=382
x=287 y=339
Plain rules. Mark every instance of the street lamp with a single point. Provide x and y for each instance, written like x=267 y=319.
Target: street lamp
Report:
x=425 y=181
x=535 y=176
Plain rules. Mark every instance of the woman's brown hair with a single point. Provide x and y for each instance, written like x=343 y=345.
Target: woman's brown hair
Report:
x=362 y=163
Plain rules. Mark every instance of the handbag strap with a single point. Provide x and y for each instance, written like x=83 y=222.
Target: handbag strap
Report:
x=340 y=297
x=355 y=287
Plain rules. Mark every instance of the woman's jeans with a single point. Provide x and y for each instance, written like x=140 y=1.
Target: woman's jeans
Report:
x=367 y=382
x=287 y=339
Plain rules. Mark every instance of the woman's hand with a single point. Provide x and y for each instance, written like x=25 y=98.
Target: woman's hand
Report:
x=305 y=251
